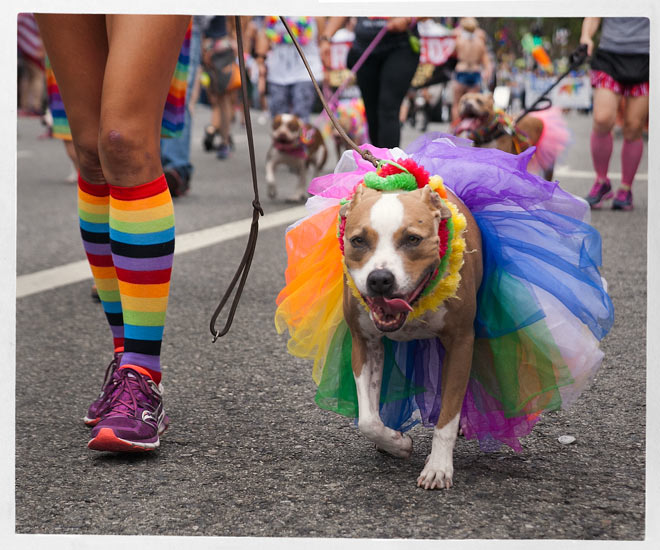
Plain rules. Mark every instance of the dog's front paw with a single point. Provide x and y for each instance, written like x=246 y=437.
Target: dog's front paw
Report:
x=435 y=475
x=272 y=191
x=398 y=445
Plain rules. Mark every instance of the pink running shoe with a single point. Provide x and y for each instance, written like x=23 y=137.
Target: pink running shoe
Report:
x=92 y=417
x=132 y=415
x=622 y=200
x=600 y=192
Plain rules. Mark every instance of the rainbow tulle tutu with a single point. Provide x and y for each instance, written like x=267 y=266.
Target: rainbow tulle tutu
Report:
x=542 y=305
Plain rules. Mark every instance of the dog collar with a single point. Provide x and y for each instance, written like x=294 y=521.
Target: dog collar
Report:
x=299 y=147
x=406 y=175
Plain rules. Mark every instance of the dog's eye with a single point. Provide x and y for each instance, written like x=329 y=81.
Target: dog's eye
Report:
x=413 y=240
x=358 y=242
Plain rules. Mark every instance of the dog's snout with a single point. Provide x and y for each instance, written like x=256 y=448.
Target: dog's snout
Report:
x=380 y=282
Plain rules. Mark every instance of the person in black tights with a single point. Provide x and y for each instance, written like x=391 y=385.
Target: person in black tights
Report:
x=385 y=76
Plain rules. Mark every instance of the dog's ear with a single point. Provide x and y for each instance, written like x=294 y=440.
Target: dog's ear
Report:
x=435 y=203
x=357 y=197
x=489 y=101
x=277 y=120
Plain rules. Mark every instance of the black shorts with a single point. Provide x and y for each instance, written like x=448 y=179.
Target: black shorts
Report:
x=624 y=68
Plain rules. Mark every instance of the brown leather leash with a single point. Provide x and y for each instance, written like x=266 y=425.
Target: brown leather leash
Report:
x=246 y=261
x=241 y=274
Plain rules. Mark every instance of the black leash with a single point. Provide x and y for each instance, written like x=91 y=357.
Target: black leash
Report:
x=246 y=261
x=575 y=59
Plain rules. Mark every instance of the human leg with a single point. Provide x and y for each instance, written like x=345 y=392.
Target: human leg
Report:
x=83 y=38
x=175 y=151
x=605 y=104
x=278 y=99
x=635 y=114
x=303 y=97
x=395 y=76
x=225 y=110
x=368 y=82
x=142 y=55
x=458 y=91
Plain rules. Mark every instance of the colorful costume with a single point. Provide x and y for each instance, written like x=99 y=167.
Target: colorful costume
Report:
x=542 y=307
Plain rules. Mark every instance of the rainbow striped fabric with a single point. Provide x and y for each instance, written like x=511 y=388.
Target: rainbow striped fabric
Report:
x=61 y=128
x=174 y=113
x=142 y=242
x=93 y=211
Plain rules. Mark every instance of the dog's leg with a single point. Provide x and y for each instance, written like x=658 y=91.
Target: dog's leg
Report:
x=439 y=468
x=368 y=358
x=549 y=172
x=300 y=194
x=270 y=176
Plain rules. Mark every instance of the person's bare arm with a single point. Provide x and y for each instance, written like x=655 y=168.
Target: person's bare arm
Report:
x=589 y=27
x=487 y=65
x=261 y=47
x=331 y=26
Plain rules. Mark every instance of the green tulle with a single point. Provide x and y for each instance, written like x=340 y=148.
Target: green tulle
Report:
x=337 y=391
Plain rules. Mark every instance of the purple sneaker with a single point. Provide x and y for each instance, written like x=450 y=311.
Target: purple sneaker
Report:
x=132 y=415
x=601 y=191
x=622 y=200
x=92 y=417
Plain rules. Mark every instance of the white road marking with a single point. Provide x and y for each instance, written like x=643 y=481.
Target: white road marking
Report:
x=55 y=277
x=565 y=171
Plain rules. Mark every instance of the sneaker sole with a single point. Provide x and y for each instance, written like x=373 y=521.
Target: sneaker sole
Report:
x=107 y=440
x=626 y=208
x=599 y=204
x=91 y=422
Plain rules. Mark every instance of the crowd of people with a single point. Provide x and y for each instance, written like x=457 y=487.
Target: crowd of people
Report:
x=121 y=93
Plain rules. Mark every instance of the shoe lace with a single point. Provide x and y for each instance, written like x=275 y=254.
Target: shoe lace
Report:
x=110 y=369
x=130 y=391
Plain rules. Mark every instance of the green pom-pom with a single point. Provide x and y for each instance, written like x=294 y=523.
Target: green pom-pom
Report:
x=403 y=181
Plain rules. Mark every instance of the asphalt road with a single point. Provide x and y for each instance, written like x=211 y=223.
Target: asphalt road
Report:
x=248 y=453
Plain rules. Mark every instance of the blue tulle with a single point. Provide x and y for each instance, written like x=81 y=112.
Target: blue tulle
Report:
x=531 y=230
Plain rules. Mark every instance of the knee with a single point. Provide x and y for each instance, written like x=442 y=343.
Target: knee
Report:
x=603 y=121
x=123 y=151
x=632 y=130
x=89 y=162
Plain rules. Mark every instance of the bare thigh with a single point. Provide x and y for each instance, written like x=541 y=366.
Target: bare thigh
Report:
x=606 y=103
x=77 y=47
x=142 y=57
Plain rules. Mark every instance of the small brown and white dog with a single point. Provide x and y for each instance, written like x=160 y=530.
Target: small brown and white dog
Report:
x=487 y=126
x=298 y=145
x=391 y=250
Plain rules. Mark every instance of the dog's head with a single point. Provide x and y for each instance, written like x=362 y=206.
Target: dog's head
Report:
x=286 y=129
x=474 y=110
x=391 y=249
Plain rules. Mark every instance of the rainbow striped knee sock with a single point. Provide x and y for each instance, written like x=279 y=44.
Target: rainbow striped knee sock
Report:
x=142 y=243
x=93 y=211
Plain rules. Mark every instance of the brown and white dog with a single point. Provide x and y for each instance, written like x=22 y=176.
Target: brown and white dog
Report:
x=391 y=248
x=298 y=145
x=488 y=127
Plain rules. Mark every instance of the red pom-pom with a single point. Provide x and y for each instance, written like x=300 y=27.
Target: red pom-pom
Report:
x=421 y=175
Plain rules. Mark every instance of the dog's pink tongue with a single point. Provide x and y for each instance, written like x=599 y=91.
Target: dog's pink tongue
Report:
x=393 y=305
x=465 y=125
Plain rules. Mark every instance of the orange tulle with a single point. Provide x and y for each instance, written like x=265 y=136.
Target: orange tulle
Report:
x=310 y=305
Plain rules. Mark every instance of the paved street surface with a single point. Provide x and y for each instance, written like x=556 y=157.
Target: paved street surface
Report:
x=248 y=452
